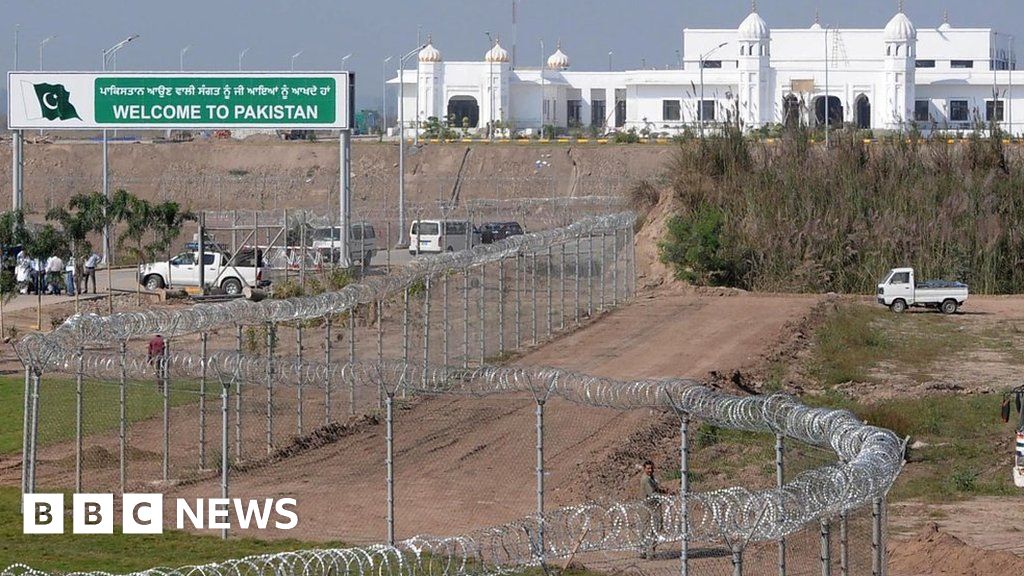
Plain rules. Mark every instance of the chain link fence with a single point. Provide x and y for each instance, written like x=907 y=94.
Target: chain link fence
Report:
x=378 y=407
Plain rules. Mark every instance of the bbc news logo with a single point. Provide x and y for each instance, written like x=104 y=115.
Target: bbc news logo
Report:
x=144 y=514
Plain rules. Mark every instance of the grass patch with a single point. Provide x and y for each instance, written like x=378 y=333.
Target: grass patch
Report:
x=100 y=407
x=116 y=552
x=857 y=339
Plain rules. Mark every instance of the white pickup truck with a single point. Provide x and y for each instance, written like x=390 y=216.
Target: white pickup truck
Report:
x=183 y=270
x=899 y=290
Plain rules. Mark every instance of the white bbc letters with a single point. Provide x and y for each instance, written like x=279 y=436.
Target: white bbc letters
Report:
x=92 y=514
x=43 y=514
x=142 y=514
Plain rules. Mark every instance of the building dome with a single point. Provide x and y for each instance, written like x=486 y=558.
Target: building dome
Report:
x=558 y=60
x=754 y=28
x=429 y=54
x=496 y=54
x=900 y=29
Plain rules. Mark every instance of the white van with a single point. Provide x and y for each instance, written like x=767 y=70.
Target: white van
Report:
x=436 y=236
x=362 y=241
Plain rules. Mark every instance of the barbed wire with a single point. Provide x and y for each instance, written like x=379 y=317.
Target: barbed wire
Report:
x=90 y=329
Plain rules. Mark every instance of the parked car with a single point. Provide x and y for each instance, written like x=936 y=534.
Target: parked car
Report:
x=436 y=236
x=362 y=241
x=494 y=231
x=183 y=270
x=899 y=290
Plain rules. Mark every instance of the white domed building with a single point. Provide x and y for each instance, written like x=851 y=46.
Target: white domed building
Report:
x=885 y=78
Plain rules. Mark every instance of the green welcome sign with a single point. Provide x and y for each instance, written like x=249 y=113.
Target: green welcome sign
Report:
x=203 y=100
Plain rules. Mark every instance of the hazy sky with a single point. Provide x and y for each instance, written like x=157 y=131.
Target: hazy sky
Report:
x=326 y=30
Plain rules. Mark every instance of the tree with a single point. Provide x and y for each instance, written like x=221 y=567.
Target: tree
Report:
x=138 y=218
x=76 y=224
x=40 y=244
x=167 y=219
x=12 y=234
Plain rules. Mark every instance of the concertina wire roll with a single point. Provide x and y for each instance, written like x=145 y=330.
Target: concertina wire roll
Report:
x=869 y=458
x=92 y=329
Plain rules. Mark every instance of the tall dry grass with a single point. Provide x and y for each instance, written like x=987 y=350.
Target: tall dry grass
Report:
x=805 y=219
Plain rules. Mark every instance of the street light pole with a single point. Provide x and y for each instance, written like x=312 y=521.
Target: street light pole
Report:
x=181 y=58
x=700 y=105
x=384 y=97
x=403 y=241
x=294 y=56
x=107 y=55
x=610 y=53
x=827 y=115
x=543 y=93
x=41 y=44
x=241 y=56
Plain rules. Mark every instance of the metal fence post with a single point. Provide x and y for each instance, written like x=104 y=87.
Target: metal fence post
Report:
x=533 y=294
x=165 y=386
x=561 y=286
x=604 y=263
x=328 y=385
x=590 y=275
x=780 y=481
x=737 y=561
x=465 y=318
x=548 y=285
x=426 y=330
x=380 y=330
x=576 y=274
x=444 y=320
x=405 y=325
x=299 y=382
x=78 y=421
x=26 y=432
x=615 y=268
x=238 y=399
x=844 y=555
x=36 y=377
x=632 y=261
x=501 y=306
x=877 y=552
x=122 y=432
x=519 y=302
x=271 y=330
x=483 y=319
x=826 y=548
x=203 y=338
x=352 y=334
x=540 y=478
x=389 y=437
x=684 y=492
x=224 y=417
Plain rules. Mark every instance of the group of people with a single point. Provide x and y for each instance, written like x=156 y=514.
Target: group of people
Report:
x=54 y=276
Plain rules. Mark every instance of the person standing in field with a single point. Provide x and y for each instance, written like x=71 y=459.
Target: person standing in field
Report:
x=89 y=272
x=650 y=491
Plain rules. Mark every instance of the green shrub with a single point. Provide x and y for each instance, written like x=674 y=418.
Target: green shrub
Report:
x=696 y=247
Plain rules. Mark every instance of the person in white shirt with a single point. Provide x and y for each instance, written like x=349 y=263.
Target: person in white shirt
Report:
x=69 y=277
x=54 y=269
x=89 y=271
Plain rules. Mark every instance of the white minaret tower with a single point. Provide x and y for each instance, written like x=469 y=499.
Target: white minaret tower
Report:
x=754 y=38
x=430 y=77
x=497 y=59
x=900 y=51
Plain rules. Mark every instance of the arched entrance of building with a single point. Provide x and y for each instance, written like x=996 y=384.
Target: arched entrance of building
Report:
x=862 y=112
x=463 y=112
x=835 y=111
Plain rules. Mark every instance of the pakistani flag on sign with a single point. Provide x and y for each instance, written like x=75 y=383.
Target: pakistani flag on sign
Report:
x=55 y=102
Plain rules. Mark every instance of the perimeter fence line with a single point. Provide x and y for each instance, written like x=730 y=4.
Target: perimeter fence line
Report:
x=865 y=461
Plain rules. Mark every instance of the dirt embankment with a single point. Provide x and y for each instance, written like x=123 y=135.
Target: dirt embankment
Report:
x=276 y=174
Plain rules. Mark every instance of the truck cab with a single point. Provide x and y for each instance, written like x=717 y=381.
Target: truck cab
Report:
x=183 y=270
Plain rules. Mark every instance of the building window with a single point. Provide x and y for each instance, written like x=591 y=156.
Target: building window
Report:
x=598 y=113
x=706 y=110
x=924 y=63
x=961 y=63
x=958 y=111
x=670 y=110
x=620 y=112
x=922 y=111
x=573 y=108
x=711 y=64
x=994 y=111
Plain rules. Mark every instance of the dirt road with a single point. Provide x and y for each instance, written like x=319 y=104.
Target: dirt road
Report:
x=468 y=463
